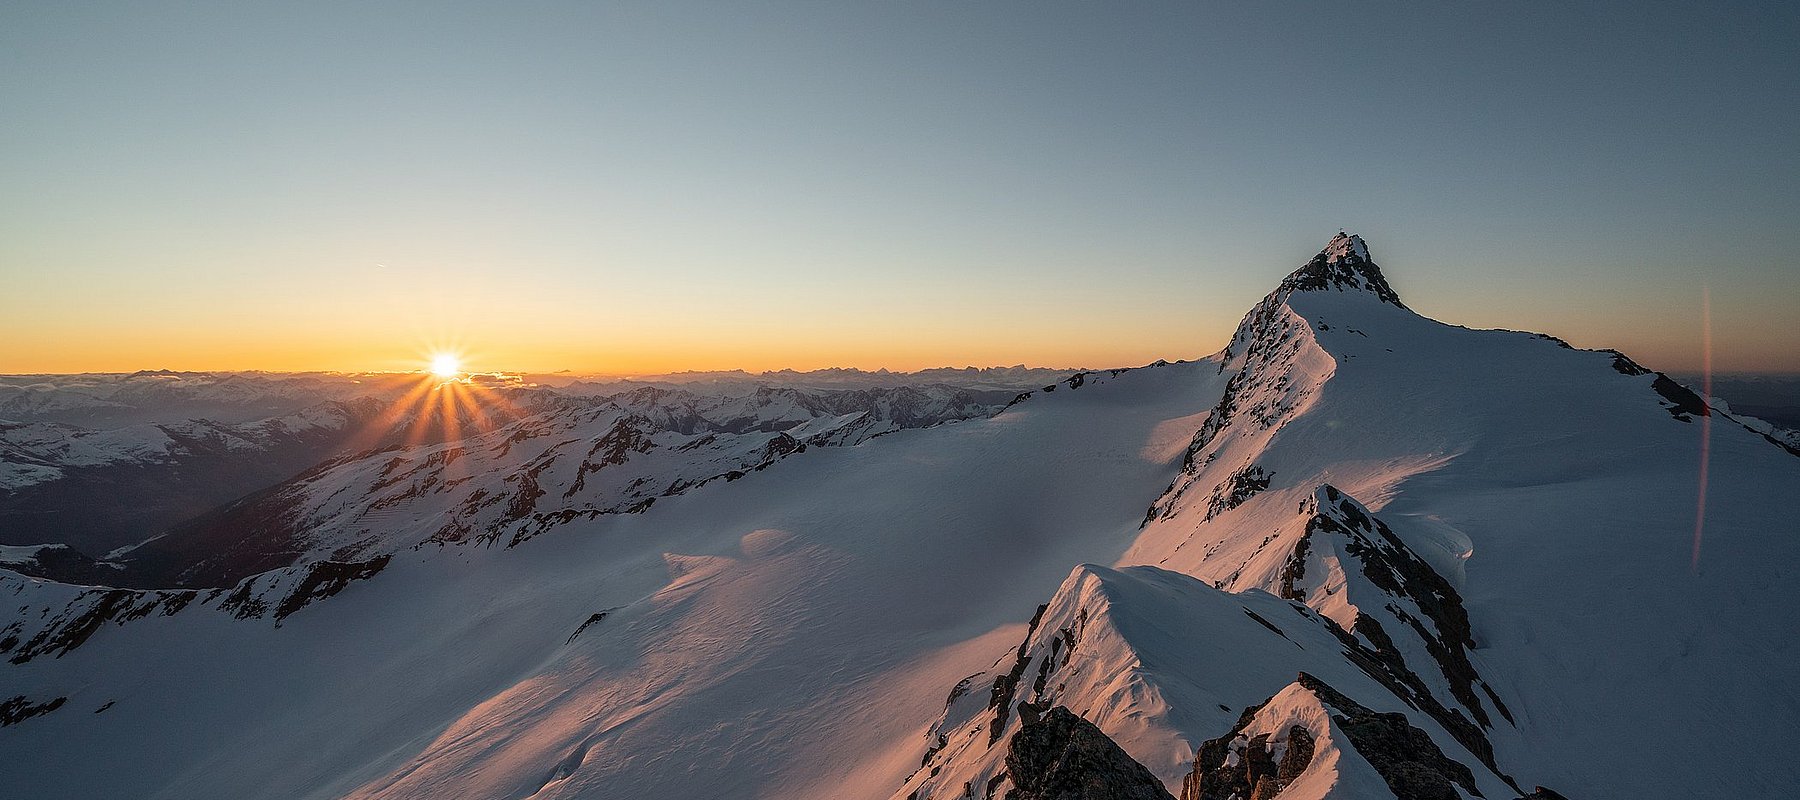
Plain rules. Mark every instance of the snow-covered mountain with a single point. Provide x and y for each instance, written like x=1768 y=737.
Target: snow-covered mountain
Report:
x=1358 y=553
x=209 y=491
x=977 y=379
x=500 y=485
x=112 y=400
x=98 y=489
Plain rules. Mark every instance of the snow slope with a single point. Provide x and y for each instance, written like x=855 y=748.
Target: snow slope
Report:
x=783 y=633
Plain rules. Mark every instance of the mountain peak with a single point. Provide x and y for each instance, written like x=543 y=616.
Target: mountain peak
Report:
x=1346 y=245
x=1344 y=265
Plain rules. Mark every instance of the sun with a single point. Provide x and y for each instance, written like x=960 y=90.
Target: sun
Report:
x=446 y=365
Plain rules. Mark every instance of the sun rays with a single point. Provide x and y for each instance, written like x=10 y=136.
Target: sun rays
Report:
x=440 y=403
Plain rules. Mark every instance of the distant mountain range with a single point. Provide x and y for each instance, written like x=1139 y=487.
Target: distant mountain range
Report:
x=99 y=462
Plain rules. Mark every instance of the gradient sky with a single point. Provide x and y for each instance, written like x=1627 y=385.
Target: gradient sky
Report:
x=657 y=186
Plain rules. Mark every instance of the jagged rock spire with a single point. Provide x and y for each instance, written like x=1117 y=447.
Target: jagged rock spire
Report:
x=1344 y=265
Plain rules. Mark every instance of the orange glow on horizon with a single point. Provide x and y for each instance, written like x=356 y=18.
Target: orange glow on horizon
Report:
x=606 y=347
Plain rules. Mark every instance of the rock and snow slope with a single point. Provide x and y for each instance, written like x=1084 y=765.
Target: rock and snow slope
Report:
x=1163 y=662
x=501 y=485
x=1382 y=556
x=98 y=489
x=203 y=503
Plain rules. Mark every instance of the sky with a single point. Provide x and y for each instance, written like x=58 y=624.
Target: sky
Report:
x=658 y=186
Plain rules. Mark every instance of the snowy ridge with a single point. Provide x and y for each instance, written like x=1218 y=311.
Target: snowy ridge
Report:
x=1161 y=663
x=56 y=618
x=1400 y=619
x=984 y=379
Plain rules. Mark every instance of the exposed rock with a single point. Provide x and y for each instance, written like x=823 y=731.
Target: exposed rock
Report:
x=1407 y=580
x=1005 y=685
x=1343 y=265
x=326 y=578
x=1235 y=766
x=1235 y=489
x=1682 y=401
x=17 y=709
x=1259 y=767
x=69 y=631
x=60 y=562
x=1624 y=365
x=1270 y=384
x=1405 y=756
x=592 y=620
x=1061 y=756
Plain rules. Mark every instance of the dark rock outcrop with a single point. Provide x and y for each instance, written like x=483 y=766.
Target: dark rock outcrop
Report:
x=1682 y=403
x=1255 y=773
x=1061 y=756
x=60 y=562
x=326 y=578
x=1411 y=764
x=1254 y=768
x=17 y=709
x=91 y=610
x=1235 y=489
x=1444 y=631
x=1005 y=685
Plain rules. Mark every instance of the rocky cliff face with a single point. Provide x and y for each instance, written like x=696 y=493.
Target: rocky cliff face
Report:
x=1060 y=756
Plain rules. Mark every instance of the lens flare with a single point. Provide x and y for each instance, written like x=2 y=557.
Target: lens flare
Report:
x=1705 y=422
